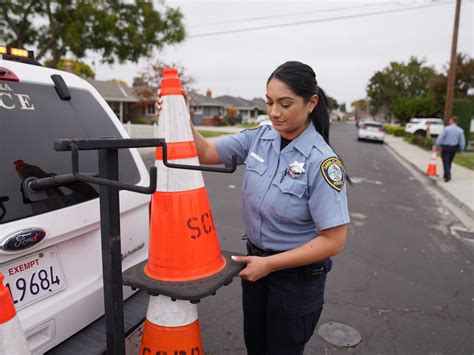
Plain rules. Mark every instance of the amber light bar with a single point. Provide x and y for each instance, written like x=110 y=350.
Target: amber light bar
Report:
x=16 y=52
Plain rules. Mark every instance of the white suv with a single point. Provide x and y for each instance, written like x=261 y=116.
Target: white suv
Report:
x=50 y=249
x=419 y=126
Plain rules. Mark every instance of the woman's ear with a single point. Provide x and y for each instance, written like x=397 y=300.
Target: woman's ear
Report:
x=313 y=102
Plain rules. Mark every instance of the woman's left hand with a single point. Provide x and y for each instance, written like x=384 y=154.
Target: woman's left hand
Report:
x=257 y=267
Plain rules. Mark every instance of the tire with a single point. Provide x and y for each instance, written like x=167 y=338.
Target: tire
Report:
x=421 y=133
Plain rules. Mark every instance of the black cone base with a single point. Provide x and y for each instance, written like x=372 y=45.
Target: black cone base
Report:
x=193 y=290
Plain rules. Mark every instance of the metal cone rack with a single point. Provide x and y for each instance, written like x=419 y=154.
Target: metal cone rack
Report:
x=110 y=223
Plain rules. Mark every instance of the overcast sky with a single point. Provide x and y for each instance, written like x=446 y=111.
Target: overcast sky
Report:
x=344 y=52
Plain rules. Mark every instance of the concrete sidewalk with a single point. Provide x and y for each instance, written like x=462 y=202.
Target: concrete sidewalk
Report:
x=460 y=190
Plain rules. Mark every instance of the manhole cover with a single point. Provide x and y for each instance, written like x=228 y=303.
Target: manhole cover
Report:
x=339 y=334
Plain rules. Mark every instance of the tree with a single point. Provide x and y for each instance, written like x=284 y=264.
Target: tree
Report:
x=342 y=107
x=398 y=81
x=118 y=30
x=74 y=66
x=464 y=80
x=149 y=81
x=359 y=107
x=406 y=108
x=332 y=103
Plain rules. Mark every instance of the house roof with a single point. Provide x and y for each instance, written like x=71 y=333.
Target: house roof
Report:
x=196 y=99
x=114 y=92
x=239 y=103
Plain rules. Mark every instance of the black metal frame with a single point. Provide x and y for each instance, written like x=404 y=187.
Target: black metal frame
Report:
x=109 y=187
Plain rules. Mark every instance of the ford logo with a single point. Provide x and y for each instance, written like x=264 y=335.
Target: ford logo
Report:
x=23 y=239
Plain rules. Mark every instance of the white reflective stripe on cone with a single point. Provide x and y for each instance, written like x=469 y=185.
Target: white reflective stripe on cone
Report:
x=174 y=124
x=165 y=312
x=177 y=180
x=12 y=338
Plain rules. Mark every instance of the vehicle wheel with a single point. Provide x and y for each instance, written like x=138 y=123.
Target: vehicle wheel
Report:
x=420 y=133
x=359 y=139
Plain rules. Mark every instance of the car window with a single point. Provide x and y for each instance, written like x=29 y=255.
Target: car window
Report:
x=413 y=120
x=372 y=124
x=32 y=116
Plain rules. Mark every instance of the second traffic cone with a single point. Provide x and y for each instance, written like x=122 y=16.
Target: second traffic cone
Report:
x=171 y=327
x=12 y=338
x=431 y=169
x=183 y=238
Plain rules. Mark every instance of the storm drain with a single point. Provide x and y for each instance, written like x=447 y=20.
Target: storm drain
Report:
x=339 y=334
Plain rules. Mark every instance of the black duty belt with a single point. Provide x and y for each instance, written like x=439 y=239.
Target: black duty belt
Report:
x=306 y=272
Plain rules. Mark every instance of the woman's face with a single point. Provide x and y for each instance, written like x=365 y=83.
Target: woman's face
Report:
x=287 y=111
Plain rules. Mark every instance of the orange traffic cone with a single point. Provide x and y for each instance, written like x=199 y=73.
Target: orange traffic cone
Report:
x=183 y=239
x=12 y=338
x=431 y=169
x=171 y=327
x=185 y=262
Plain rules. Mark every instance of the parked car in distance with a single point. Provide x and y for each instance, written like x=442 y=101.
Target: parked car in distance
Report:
x=371 y=130
x=419 y=126
x=263 y=120
x=362 y=120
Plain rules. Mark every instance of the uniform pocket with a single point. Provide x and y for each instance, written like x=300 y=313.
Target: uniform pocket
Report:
x=292 y=187
x=290 y=203
x=253 y=171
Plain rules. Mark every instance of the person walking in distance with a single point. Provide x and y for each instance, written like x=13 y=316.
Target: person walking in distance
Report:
x=450 y=141
x=295 y=210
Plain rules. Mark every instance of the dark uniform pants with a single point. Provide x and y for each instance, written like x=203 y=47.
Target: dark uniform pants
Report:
x=447 y=155
x=282 y=309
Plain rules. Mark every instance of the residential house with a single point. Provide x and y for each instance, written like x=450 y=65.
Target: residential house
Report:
x=204 y=110
x=248 y=110
x=120 y=98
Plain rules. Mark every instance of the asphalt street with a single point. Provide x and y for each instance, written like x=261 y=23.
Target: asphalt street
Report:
x=403 y=281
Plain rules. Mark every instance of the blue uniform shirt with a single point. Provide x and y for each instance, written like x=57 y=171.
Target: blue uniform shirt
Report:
x=452 y=135
x=281 y=209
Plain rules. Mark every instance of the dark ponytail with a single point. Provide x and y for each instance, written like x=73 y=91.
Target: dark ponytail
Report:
x=320 y=115
x=301 y=79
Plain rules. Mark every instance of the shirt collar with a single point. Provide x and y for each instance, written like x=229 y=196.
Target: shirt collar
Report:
x=304 y=142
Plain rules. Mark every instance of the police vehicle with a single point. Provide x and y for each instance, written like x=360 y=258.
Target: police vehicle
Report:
x=50 y=248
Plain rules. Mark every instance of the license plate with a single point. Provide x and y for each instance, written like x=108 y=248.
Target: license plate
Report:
x=34 y=277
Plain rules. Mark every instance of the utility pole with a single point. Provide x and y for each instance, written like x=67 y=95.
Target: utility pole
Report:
x=448 y=107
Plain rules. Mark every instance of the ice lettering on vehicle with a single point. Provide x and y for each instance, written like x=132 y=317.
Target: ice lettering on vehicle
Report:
x=9 y=102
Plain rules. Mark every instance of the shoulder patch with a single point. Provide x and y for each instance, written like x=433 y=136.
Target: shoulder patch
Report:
x=333 y=172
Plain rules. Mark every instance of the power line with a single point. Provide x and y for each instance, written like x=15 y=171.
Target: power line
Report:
x=313 y=21
x=288 y=15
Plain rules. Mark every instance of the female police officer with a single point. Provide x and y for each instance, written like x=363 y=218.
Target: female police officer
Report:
x=295 y=211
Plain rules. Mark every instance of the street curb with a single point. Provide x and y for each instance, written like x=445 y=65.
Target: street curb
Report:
x=453 y=199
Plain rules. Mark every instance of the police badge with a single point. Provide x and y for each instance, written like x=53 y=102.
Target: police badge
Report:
x=333 y=172
x=296 y=170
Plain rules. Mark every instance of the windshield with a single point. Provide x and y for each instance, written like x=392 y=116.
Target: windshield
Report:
x=32 y=116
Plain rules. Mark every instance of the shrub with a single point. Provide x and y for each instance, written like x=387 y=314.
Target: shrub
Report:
x=423 y=142
x=142 y=121
x=224 y=122
x=397 y=131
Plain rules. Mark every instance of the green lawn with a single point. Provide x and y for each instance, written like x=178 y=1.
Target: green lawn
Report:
x=208 y=134
x=466 y=160
x=248 y=125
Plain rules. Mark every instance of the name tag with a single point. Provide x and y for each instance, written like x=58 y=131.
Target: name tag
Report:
x=256 y=157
